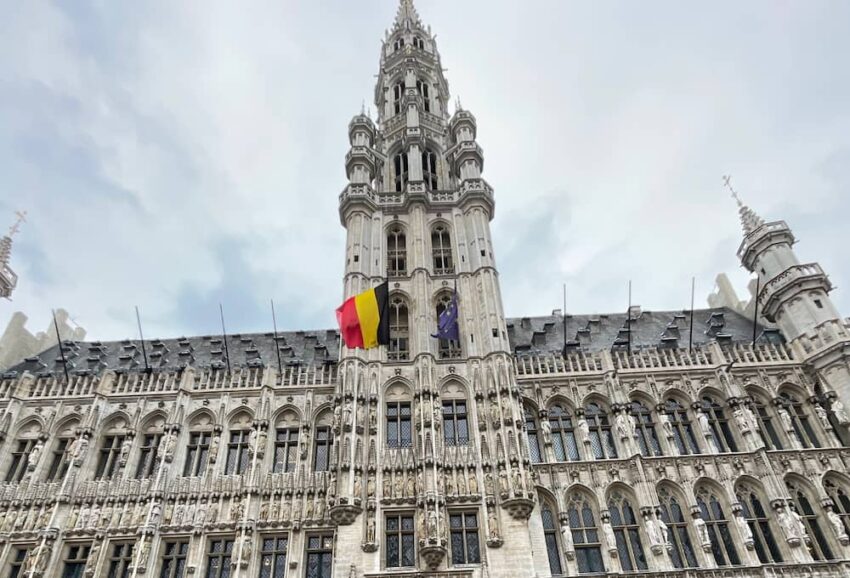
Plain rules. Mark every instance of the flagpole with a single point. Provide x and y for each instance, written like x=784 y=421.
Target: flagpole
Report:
x=61 y=350
x=756 y=309
x=142 y=340
x=691 y=329
x=276 y=345
x=564 y=312
x=629 y=318
x=224 y=337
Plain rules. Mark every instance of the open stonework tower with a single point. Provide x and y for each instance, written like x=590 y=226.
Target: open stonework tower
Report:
x=652 y=443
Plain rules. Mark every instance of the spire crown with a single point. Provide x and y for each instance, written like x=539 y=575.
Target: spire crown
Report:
x=750 y=221
x=406 y=15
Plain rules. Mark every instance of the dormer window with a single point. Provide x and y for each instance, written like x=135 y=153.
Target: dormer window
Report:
x=422 y=87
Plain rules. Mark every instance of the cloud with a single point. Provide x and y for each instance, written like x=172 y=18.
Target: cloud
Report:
x=174 y=156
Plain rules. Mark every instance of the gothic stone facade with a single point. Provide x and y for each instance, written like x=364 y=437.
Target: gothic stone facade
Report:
x=553 y=446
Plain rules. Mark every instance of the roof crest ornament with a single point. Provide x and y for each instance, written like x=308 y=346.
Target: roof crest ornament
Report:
x=21 y=217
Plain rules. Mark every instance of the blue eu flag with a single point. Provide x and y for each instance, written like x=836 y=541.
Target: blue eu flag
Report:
x=447 y=327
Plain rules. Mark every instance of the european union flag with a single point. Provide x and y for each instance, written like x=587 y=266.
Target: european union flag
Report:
x=447 y=327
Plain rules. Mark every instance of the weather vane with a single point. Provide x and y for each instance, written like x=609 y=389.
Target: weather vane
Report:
x=727 y=182
x=21 y=218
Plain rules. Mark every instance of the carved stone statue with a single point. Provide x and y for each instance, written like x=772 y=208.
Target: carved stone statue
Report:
x=785 y=418
x=126 y=446
x=472 y=483
x=839 y=412
x=702 y=532
x=610 y=538
x=212 y=513
x=37 y=559
x=744 y=529
x=214 y=445
x=704 y=425
x=450 y=482
x=567 y=538
x=489 y=487
x=492 y=524
x=370 y=530
x=34 y=455
x=503 y=481
x=370 y=487
x=94 y=554
x=398 y=485
x=546 y=430
x=387 y=485
x=584 y=430
x=625 y=426
x=156 y=513
x=792 y=525
x=264 y=511
x=741 y=420
x=665 y=531
x=823 y=417
x=236 y=510
x=358 y=486
x=438 y=415
x=337 y=419
x=837 y=526
x=411 y=485
x=495 y=416
x=667 y=425
x=420 y=521
x=432 y=524
x=78 y=449
x=517 y=481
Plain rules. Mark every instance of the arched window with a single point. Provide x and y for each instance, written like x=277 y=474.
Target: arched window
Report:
x=799 y=420
x=767 y=429
x=627 y=533
x=724 y=441
x=396 y=252
x=586 y=541
x=422 y=87
x=563 y=434
x=531 y=434
x=767 y=547
x=418 y=43
x=27 y=439
x=682 y=553
x=398 y=95
x=198 y=448
x=429 y=168
x=447 y=348
x=550 y=531
x=455 y=422
x=286 y=442
x=840 y=501
x=645 y=428
x=820 y=549
x=601 y=437
x=60 y=459
x=683 y=432
x=398 y=44
x=112 y=445
x=401 y=171
x=151 y=437
x=441 y=247
x=722 y=544
x=399 y=348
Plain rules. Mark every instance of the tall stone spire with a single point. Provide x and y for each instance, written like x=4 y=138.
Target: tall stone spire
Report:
x=750 y=221
x=8 y=278
x=406 y=15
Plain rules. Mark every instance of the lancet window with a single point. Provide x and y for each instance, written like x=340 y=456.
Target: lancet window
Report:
x=840 y=501
x=683 y=432
x=601 y=437
x=533 y=437
x=441 y=247
x=717 y=524
x=563 y=434
x=585 y=533
x=422 y=87
x=647 y=435
x=447 y=348
x=550 y=532
x=396 y=252
x=800 y=420
x=626 y=533
x=767 y=425
x=724 y=441
x=682 y=553
x=752 y=508
x=399 y=348
x=820 y=548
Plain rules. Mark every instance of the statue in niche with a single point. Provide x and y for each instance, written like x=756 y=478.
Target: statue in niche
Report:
x=126 y=446
x=320 y=509
x=482 y=416
x=608 y=531
x=411 y=485
x=702 y=532
x=823 y=416
x=73 y=515
x=785 y=418
x=94 y=516
x=91 y=563
x=179 y=511
x=167 y=446
x=337 y=418
x=432 y=524
x=667 y=425
x=750 y=417
x=839 y=412
x=837 y=526
x=473 y=482
x=169 y=512
x=567 y=537
x=704 y=425
x=83 y=519
x=517 y=481
x=347 y=415
x=461 y=483
x=489 y=485
x=370 y=487
x=264 y=511
x=450 y=482
x=492 y=523
x=503 y=481
x=370 y=529
x=744 y=528
x=305 y=444
x=332 y=485
x=44 y=518
x=387 y=484
x=495 y=416
x=373 y=419
x=236 y=509
x=420 y=520
x=78 y=449
x=215 y=444
x=625 y=425
x=741 y=419
x=37 y=559
x=358 y=486
x=361 y=414
x=212 y=513
x=398 y=485
x=546 y=429
x=308 y=511
x=200 y=514
x=438 y=415
x=420 y=483
x=286 y=511
x=584 y=430
x=274 y=510
x=34 y=455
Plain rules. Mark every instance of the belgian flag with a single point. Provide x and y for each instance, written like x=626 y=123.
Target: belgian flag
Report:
x=364 y=320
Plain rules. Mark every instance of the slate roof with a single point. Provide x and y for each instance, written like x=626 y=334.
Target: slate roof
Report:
x=543 y=334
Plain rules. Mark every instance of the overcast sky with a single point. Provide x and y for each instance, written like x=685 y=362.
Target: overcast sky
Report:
x=174 y=155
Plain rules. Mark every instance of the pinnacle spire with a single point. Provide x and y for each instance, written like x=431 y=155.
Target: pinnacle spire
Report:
x=8 y=279
x=406 y=13
x=750 y=221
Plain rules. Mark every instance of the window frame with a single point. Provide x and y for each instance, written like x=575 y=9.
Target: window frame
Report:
x=564 y=440
x=723 y=546
x=679 y=530
x=323 y=438
x=277 y=555
x=441 y=250
x=626 y=527
x=467 y=535
x=285 y=453
x=222 y=557
x=17 y=559
x=399 y=348
x=120 y=560
x=752 y=509
x=170 y=562
x=323 y=552
x=148 y=455
x=683 y=429
x=601 y=432
x=109 y=456
x=404 y=536
x=18 y=466
x=396 y=252
x=60 y=461
x=550 y=536
x=820 y=547
x=395 y=419
x=647 y=433
x=452 y=420
x=238 y=457
x=76 y=555
x=587 y=543
x=724 y=439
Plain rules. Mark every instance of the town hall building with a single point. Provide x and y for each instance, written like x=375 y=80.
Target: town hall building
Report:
x=665 y=443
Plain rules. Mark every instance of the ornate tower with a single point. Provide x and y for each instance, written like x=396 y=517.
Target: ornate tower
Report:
x=444 y=432
x=796 y=297
x=8 y=278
